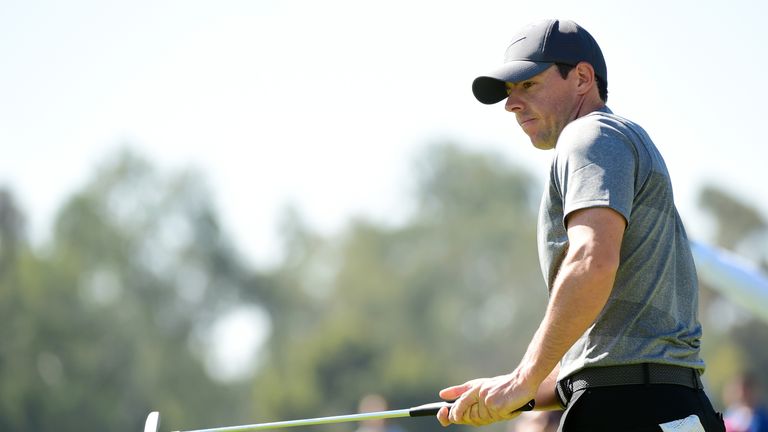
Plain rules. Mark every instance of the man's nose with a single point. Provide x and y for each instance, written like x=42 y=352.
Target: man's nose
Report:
x=513 y=102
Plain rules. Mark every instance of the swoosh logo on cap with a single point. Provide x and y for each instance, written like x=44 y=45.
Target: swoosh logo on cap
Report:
x=522 y=38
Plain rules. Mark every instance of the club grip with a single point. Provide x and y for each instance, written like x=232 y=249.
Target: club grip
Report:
x=432 y=408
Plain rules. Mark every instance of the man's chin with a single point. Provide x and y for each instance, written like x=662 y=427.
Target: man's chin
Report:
x=544 y=141
x=543 y=145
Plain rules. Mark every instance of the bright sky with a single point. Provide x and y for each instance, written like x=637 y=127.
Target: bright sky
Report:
x=324 y=104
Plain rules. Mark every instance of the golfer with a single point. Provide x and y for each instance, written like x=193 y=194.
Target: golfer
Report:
x=618 y=346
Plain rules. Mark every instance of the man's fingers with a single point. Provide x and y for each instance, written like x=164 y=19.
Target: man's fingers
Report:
x=485 y=413
x=442 y=416
x=461 y=406
x=480 y=402
x=458 y=394
x=453 y=393
x=472 y=415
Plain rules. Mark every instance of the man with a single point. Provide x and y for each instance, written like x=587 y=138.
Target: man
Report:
x=618 y=347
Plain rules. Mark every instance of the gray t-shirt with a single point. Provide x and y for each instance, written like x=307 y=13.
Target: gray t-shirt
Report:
x=603 y=160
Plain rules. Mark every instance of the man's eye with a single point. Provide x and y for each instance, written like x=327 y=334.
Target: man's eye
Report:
x=528 y=84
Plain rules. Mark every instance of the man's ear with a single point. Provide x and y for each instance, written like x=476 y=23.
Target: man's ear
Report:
x=585 y=76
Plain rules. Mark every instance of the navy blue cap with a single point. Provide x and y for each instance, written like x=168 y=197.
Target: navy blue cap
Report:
x=533 y=50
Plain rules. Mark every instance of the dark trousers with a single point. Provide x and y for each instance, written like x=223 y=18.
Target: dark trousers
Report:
x=637 y=408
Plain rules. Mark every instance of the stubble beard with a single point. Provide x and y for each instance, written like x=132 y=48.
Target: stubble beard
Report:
x=546 y=142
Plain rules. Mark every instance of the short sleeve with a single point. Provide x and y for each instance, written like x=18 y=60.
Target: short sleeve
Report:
x=595 y=166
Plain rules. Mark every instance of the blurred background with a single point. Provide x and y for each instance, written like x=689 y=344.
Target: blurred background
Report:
x=253 y=210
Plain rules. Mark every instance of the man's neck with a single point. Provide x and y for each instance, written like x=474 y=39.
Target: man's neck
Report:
x=589 y=104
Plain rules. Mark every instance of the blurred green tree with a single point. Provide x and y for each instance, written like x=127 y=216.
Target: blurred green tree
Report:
x=403 y=311
x=111 y=318
x=105 y=323
x=735 y=220
x=734 y=339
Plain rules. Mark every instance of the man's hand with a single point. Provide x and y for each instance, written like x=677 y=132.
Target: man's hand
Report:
x=485 y=400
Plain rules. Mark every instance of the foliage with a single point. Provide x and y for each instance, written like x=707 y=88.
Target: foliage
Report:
x=734 y=339
x=736 y=221
x=404 y=311
x=98 y=327
x=108 y=320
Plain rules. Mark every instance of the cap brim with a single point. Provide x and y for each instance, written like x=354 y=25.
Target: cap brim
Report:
x=491 y=88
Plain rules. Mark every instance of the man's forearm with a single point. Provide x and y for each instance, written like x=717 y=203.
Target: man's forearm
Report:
x=581 y=290
x=546 y=397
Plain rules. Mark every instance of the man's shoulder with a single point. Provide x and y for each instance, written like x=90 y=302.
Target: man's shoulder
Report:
x=603 y=117
x=596 y=127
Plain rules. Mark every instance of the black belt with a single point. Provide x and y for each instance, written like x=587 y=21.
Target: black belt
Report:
x=644 y=373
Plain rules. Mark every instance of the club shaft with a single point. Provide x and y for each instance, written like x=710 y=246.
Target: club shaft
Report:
x=313 y=421
x=419 y=411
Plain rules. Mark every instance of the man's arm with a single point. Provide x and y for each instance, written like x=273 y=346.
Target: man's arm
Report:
x=581 y=290
x=546 y=396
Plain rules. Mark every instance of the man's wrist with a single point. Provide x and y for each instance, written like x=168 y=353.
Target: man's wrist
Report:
x=524 y=379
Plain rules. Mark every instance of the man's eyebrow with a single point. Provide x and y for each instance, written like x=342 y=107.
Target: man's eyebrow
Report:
x=511 y=84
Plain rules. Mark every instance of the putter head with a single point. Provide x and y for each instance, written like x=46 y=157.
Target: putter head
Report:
x=153 y=421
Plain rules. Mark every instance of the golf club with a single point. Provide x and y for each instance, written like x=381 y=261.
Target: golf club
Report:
x=153 y=420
